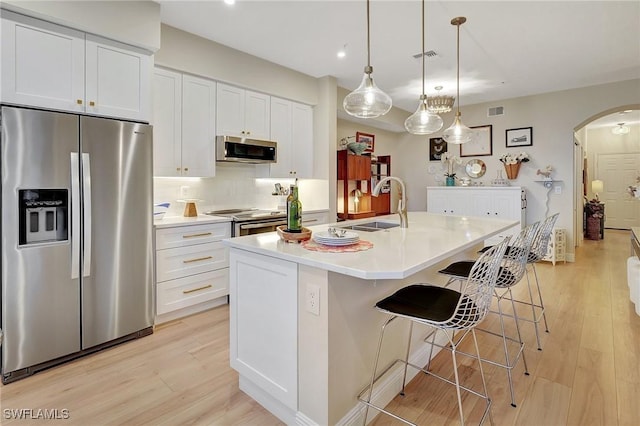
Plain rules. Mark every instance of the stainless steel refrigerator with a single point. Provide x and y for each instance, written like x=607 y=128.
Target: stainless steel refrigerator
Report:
x=77 y=259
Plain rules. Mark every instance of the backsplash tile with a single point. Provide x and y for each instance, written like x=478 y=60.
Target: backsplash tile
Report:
x=236 y=186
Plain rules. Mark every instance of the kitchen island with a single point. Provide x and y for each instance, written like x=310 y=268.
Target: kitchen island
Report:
x=303 y=327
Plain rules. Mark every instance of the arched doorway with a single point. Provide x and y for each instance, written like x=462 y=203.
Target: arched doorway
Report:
x=612 y=158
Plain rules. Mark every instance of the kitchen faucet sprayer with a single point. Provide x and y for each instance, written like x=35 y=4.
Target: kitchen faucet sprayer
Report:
x=402 y=204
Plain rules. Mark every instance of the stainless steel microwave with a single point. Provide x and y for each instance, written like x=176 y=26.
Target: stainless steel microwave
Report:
x=245 y=150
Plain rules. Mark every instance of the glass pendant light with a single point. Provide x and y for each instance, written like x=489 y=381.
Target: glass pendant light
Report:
x=620 y=129
x=423 y=121
x=458 y=133
x=367 y=101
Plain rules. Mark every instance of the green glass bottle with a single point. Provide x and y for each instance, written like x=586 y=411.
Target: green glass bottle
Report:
x=294 y=211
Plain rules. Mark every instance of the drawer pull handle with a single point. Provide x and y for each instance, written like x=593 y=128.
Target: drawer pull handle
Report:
x=197 y=259
x=196 y=289
x=204 y=234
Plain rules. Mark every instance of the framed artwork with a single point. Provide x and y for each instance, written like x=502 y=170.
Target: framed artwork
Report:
x=437 y=147
x=481 y=143
x=368 y=138
x=519 y=137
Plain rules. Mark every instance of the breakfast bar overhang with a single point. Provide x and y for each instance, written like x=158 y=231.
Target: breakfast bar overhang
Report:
x=303 y=327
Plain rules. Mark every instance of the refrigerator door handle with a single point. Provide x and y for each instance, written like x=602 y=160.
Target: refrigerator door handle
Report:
x=75 y=216
x=86 y=193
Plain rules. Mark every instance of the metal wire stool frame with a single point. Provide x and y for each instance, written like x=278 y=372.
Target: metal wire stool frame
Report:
x=472 y=307
x=510 y=273
x=537 y=252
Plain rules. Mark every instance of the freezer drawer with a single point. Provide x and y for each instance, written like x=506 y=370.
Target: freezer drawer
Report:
x=189 y=291
x=190 y=260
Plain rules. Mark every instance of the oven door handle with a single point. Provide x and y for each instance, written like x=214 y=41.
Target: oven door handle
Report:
x=263 y=224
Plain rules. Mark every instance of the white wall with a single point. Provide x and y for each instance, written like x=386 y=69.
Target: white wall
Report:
x=553 y=117
x=133 y=22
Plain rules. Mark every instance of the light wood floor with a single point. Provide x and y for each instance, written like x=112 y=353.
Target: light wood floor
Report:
x=588 y=372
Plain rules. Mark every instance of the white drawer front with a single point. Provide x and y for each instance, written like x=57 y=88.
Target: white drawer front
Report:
x=184 y=292
x=181 y=236
x=190 y=260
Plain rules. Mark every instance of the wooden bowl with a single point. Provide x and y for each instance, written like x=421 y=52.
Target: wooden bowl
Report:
x=293 y=237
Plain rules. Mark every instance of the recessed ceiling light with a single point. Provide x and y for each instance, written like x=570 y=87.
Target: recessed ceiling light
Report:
x=230 y=2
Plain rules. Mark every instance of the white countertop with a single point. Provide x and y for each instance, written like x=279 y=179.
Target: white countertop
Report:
x=397 y=253
x=171 y=221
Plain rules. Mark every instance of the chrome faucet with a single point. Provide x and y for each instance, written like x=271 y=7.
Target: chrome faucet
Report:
x=402 y=204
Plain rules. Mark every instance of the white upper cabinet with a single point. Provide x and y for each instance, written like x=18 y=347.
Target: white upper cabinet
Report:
x=302 y=140
x=242 y=112
x=51 y=66
x=167 y=123
x=198 y=126
x=292 y=129
x=184 y=125
x=118 y=80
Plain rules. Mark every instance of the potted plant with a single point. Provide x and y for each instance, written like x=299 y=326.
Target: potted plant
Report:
x=450 y=161
x=512 y=163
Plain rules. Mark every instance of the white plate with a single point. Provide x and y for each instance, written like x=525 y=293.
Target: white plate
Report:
x=330 y=240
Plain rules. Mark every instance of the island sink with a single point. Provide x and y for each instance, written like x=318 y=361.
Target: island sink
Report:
x=371 y=226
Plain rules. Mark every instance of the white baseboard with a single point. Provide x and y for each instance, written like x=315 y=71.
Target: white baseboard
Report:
x=275 y=407
x=185 y=312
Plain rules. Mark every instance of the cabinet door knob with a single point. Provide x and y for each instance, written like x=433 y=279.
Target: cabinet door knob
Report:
x=186 y=169
x=79 y=101
x=92 y=103
x=177 y=169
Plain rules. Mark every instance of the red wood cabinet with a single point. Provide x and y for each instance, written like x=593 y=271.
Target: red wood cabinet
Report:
x=352 y=168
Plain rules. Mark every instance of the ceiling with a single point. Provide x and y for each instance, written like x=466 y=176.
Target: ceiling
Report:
x=508 y=48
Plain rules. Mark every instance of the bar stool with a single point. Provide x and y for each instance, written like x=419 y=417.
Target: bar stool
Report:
x=536 y=254
x=448 y=311
x=510 y=273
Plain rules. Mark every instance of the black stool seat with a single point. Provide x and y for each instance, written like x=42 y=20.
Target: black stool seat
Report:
x=428 y=302
x=462 y=269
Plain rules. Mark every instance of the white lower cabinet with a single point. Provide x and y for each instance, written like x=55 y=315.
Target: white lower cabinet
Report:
x=496 y=202
x=192 y=269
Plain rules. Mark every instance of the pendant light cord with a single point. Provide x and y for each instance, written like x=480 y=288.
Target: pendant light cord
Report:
x=423 y=49
x=458 y=70
x=368 y=39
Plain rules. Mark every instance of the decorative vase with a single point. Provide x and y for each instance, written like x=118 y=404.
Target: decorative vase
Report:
x=450 y=181
x=512 y=170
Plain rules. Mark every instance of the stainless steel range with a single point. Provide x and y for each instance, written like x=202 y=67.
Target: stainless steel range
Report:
x=252 y=221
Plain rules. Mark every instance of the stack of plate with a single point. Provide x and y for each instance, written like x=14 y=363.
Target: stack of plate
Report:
x=331 y=240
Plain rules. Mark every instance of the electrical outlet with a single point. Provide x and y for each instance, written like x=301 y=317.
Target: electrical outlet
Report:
x=313 y=299
x=558 y=189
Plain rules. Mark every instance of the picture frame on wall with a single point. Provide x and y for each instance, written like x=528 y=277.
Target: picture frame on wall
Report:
x=522 y=136
x=481 y=143
x=437 y=147
x=367 y=138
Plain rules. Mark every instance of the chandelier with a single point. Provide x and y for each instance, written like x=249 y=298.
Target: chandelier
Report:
x=440 y=104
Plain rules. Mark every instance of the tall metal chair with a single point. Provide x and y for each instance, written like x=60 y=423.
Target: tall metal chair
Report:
x=536 y=254
x=448 y=311
x=510 y=273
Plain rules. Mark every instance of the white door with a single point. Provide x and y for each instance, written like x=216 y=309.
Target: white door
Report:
x=617 y=172
x=42 y=64
x=257 y=121
x=281 y=133
x=167 y=121
x=302 y=136
x=117 y=80
x=198 y=126
x=230 y=110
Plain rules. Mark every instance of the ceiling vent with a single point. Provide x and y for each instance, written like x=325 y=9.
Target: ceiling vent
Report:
x=428 y=54
x=492 y=112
